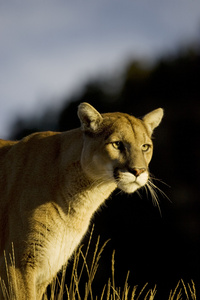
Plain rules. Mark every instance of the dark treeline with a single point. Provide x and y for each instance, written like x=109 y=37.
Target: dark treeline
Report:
x=158 y=250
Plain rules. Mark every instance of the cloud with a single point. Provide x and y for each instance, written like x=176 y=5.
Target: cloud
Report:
x=48 y=49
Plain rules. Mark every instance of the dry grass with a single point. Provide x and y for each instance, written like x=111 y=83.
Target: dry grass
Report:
x=58 y=290
x=110 y=291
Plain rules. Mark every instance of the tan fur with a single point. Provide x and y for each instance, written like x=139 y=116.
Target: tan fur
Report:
x=52 y=183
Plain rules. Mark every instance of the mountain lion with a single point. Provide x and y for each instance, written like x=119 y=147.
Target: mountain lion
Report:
x=52 y=183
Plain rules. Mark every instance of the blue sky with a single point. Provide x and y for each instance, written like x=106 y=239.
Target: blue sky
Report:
x=49 y=49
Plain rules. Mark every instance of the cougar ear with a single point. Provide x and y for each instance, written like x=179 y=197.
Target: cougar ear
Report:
x=153 y=119
x=90 y=118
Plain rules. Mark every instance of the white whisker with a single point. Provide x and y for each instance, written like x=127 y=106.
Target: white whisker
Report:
x=151 y=188
x=146 y=190
x=139 y=194
x=154 y=196
x=152 y=177
x=119 y=192
x=157 y=188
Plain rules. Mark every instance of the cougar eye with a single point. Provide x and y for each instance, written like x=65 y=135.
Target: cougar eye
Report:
x=145 y=147
x=118 y=145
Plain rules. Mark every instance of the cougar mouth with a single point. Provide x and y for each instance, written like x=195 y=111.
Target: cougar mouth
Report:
x=128 y=182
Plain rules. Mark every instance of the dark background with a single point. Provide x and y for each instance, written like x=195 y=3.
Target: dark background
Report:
x=156 y=249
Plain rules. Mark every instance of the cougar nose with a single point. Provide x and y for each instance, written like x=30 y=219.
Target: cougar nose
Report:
x=137 y=171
